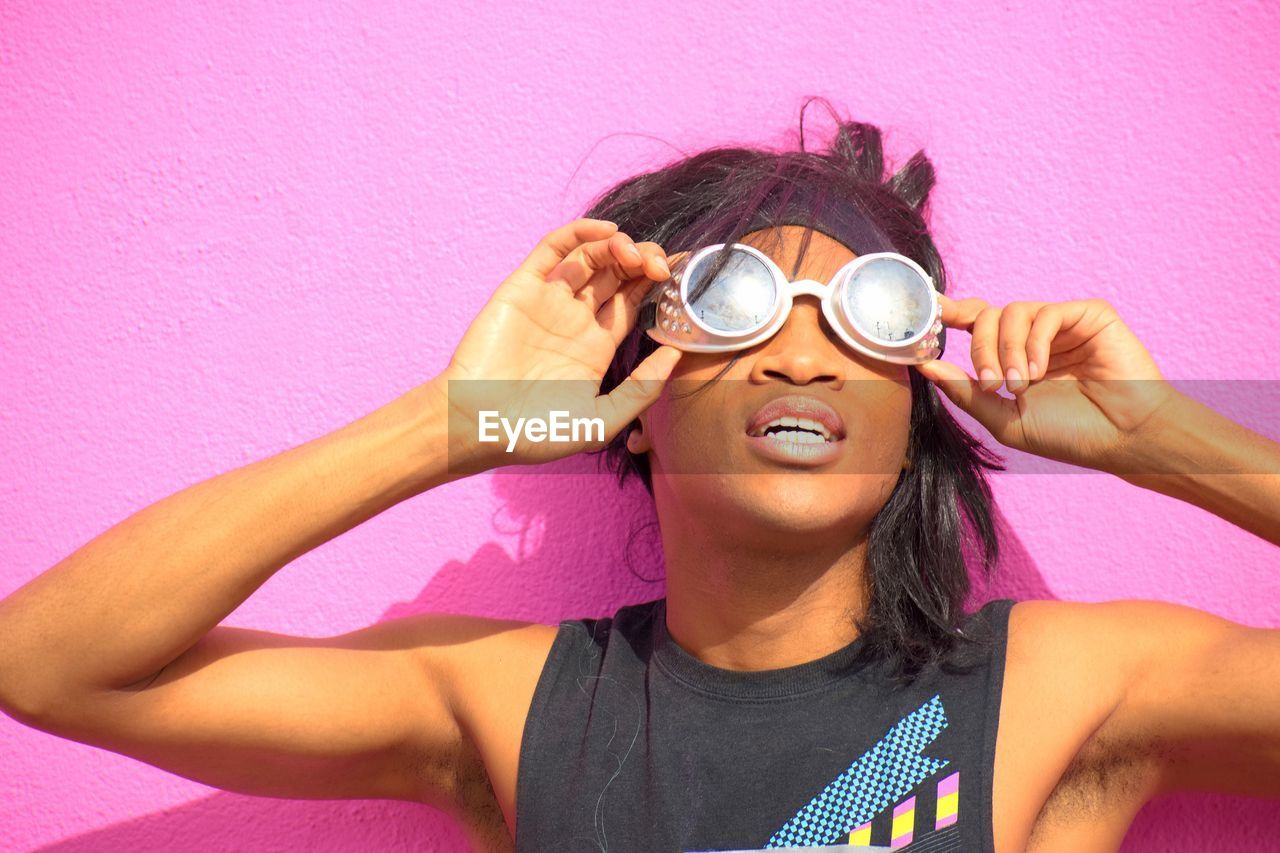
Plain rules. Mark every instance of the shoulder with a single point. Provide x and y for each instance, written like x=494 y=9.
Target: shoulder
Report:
x=1116 y=675
x=492 y=667
x=486 y=670
x=1107 y=704
x=480 y=657
x=1068 y=666
x=1098 y=649
x=1122 y=637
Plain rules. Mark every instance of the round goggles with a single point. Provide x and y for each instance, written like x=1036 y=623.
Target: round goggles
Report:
x=884 y=305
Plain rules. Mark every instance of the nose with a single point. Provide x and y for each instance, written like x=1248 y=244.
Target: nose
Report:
x=803 y=351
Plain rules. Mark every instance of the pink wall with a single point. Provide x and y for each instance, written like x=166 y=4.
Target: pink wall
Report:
x=226 y=232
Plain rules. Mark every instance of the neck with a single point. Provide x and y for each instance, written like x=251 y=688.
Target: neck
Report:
x=746 y=606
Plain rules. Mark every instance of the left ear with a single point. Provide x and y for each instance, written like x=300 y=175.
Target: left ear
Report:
x=638 y=439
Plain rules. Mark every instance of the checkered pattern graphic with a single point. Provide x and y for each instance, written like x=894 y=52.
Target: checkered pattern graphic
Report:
x=880 y=776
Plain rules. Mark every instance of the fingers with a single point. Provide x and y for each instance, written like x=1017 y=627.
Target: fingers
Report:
x=1015 y=324
x=638 y=391
x=985 y=329
x=1079 y=320
x=1010 y=343
x=616 y=253
x=619 y=313
x=982 y=321
x=556 y=246
x=999 y=415
x=604 y=282
x=1044 y=328
x=595 y=270
x=960 y=313
x=655 y=266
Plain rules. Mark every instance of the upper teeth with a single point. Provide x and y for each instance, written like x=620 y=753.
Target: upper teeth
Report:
x=802 y=423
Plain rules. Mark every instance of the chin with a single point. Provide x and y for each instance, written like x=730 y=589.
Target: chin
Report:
x=765 y=506
x=803 y=504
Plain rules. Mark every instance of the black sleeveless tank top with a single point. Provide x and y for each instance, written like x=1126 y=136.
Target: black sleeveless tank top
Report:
x=632 y=744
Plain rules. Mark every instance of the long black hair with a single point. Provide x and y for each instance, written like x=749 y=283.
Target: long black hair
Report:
x=916 y=574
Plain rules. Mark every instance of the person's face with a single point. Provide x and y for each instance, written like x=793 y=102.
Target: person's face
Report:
x=745 y=481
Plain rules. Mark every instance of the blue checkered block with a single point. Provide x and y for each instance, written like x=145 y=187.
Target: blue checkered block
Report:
x=880 y=776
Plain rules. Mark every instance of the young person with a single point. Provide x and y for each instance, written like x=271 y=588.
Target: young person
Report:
x=811 y=677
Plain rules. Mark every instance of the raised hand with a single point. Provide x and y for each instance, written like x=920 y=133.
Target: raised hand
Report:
x=545 y=339
x=1083 y=385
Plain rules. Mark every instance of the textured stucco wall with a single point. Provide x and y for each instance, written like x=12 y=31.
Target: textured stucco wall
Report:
x=229 y=230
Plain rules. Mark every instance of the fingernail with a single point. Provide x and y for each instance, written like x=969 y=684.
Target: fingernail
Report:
x=986 y=376
x=662 y=266
x=1012 y=379
x=632 y=250
x=1033 y=370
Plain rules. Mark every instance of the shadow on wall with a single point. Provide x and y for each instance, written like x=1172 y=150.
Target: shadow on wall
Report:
x=581 y=550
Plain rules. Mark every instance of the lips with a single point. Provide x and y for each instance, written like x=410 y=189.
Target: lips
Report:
x=798 y=412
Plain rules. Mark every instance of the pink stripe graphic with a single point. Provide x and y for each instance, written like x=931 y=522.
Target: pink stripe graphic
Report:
x=948 y=801
x=903 y=822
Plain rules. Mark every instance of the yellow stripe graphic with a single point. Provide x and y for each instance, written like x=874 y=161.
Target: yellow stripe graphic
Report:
x=947 y=805
x=903 y=823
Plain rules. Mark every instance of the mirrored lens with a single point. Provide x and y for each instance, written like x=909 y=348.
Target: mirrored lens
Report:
x=741 y=296
x=887 y=300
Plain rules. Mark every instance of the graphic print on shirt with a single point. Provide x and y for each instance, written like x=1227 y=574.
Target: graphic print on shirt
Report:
x=882 y=777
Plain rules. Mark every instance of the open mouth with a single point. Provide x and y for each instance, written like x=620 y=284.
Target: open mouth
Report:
x=797 y=418
x=795 y=430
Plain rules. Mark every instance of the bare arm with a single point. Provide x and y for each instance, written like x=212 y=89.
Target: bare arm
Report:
x=118 y=645
x=1201 y=695
x=144 y=591
x=1190 y=452
x=1096 y=399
